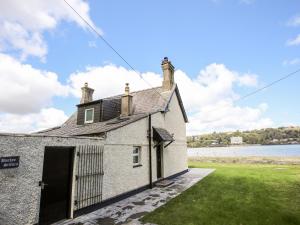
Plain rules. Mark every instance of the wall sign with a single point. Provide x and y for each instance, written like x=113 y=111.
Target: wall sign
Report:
x=9 y=162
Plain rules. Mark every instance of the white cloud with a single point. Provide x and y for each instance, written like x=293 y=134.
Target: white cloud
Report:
x=294 y=22
x=209 y=98
x=211 y=104
x=19 y=38
x=216 y=82
x=26 y=93
x=24 y=89
x=110 y=80
x=22 y=23
x=295 y=41
x=224 y=116
x=45 y=118
x=291 y=62
x=249 y=80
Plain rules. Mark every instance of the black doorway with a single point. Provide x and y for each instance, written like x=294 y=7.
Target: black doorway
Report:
x=56 y=184
x=158 y=161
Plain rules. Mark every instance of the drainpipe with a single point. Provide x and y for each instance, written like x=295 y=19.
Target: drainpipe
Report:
x=150 y=151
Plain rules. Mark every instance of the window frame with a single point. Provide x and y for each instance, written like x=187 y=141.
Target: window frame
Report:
x=138 y=154
x=85 y=113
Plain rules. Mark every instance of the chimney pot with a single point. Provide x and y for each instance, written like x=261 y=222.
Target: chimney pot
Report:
x=127 y=89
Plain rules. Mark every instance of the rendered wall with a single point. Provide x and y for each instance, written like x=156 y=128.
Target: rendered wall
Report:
x=19 y=189
x=175 y=155
x=120 y=175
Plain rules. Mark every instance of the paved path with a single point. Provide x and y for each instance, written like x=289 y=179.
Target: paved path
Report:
x=130 y=210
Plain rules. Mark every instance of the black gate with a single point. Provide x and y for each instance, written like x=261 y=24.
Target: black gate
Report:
x=89 y=176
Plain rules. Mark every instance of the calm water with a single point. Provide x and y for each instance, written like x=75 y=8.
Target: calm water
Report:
x=257 y=150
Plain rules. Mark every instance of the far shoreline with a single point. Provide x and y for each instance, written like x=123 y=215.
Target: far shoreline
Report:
x=241 y=145
x=278 y=160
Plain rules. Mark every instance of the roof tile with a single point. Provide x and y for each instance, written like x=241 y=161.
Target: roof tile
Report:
x=145 y=102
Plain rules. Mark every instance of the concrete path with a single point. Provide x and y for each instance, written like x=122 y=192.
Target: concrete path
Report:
x=130 y=210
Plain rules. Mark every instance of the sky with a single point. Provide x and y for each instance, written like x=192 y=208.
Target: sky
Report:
x=221 y=50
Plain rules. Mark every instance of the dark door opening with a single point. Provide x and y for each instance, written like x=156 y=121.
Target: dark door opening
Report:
x=158 y=161
x=56 y=184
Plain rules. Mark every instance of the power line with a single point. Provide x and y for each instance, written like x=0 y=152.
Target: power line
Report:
x=253 y=93
x=268 y=85
x=111 y=47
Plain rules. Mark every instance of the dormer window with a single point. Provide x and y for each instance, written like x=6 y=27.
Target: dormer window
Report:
x=89 y=115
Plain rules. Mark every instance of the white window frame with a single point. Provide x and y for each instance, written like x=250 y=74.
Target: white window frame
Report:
x=85 y=113
x=138 y=154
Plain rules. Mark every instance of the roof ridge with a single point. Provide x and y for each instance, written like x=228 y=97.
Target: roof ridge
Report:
x=46 y=130
x=119 y=95
x=144 y=105
x=146 y=89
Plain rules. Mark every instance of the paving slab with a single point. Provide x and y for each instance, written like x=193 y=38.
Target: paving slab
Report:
x=130 y=210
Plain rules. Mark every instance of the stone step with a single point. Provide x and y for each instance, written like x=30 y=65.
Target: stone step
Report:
x=164 y=183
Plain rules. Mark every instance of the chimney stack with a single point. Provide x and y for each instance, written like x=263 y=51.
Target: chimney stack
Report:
x=168 y=74
x=87 y=94
x=126 y=104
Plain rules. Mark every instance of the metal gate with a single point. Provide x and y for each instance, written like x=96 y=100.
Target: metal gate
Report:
x=89 y=176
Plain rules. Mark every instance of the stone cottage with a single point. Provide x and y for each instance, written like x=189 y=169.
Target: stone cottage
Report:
x=109 y=149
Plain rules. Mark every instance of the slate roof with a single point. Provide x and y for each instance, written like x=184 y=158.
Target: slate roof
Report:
x=160 y=134
x=145 y=102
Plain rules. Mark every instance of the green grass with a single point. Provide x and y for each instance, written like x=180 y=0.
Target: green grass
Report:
x=236 y=194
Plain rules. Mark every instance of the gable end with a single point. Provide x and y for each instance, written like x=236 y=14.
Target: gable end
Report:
x=176 y=91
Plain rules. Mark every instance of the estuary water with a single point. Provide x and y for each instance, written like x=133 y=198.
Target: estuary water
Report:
x=252 y=150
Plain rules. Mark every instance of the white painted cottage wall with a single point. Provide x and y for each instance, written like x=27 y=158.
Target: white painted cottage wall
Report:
x=175 y=155
x=120 y=176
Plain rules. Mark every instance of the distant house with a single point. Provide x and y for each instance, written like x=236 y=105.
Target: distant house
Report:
x=214 y=142
x=108 y=149
x=236 y=140
x=274 y=140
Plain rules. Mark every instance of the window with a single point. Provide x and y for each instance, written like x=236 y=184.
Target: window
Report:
x=89 y=115
x=136 y=156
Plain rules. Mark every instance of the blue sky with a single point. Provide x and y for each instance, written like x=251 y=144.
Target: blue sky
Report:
x=248 y=38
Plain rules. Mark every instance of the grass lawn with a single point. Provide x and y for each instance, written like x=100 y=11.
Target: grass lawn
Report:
x=236 y=194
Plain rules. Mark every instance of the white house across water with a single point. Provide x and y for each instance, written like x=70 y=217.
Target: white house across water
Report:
x=109 y=149
x=236 y=140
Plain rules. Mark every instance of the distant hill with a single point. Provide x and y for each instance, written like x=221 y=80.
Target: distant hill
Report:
x=281 y=135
